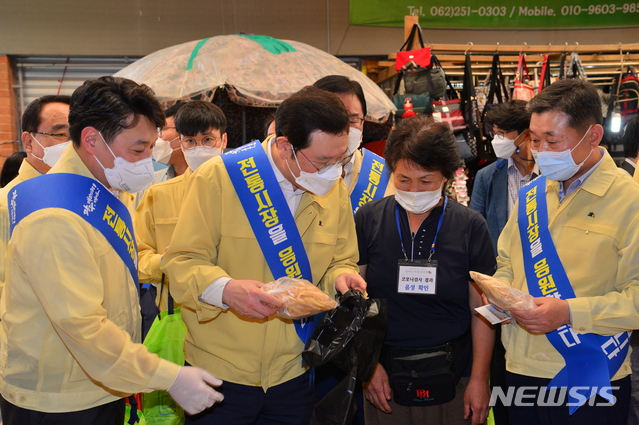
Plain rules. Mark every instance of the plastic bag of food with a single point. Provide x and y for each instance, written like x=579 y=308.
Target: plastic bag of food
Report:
x=501 y=294
x=301 y=298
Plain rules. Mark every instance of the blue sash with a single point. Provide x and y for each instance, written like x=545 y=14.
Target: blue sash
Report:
x=270 y=217
x=591 y=360
x=372 y=181
x=85 y=197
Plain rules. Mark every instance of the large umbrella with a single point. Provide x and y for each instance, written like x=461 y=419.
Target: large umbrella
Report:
x=260 y=71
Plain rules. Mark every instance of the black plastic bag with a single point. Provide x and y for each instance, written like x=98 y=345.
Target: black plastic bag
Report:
x=351 y=337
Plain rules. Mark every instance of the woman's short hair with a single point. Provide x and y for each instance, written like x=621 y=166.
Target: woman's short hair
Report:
x=429 y=144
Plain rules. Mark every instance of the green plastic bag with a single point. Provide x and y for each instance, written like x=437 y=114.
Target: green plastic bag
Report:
x=166 y=339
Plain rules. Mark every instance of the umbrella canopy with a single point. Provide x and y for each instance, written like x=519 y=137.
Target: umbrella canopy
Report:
x=263 y=71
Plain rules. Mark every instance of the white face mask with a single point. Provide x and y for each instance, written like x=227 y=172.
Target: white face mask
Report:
x=199 y=155
x=128 y=176
x=559 y=166
x=504 y=148
x=162 y=151
x=418 y=202
x=317 y=183
x=51 y=153
x=354 y=139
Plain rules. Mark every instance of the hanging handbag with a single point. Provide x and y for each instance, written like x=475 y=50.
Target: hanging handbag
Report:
x=523 y=90
x=470 y=110
x=166 y=339
x=425 y=80
x=413 y=58
x=497 y=91
x=449 y=110
x=544 y=79
x=421 y=103
x=575 y=68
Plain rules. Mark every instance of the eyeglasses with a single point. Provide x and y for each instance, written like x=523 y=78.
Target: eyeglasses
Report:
x=355 y=119
x=58 y=137
x=207 y=142
x=323 y=167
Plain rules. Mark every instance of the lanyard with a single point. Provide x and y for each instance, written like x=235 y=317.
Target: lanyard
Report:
x=439 y=226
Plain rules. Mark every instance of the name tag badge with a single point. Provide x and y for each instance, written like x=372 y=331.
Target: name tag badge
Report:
x=417 y=277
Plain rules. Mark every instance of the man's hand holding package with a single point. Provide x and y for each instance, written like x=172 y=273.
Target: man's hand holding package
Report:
x=247 y=298
x=549 y=314
x=192 y=389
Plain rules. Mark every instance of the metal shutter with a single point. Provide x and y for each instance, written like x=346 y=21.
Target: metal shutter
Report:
x=38 y=76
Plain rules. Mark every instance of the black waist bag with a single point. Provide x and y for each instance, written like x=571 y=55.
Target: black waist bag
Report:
x=427 y=376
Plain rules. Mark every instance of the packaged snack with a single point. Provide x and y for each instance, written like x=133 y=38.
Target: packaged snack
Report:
x=301 y=298
x=501 y=294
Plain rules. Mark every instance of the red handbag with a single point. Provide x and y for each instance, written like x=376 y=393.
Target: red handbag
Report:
x=450 y=113
x=523 y=90
x=413 y=58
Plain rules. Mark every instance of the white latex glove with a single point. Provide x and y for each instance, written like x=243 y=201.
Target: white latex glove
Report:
x=192 y=389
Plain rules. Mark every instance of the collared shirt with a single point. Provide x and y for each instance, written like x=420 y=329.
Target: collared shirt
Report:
x=516 y=181
x=574 y=185
x=213 y=294
x=291 y=193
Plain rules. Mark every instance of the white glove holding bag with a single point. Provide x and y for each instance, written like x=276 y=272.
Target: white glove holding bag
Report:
x=192 y=389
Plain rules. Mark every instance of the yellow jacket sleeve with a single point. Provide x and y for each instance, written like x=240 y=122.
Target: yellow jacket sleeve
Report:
x=190 y=262
x=346 y=253
x=148 y=255
x=84 y=314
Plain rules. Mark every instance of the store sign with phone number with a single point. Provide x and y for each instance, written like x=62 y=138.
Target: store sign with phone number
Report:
x=497 y=14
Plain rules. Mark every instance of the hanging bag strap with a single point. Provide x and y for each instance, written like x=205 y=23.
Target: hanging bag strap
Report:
x=408 y=44
x=562 y=66
x=522 y=69
x=494 y=90
x=467 y=94
x=171 y=308
x=544 y=79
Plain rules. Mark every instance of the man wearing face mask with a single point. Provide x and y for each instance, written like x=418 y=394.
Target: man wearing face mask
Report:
x=573 y=244
x=45 y=134
x=201 y=126
x=243 y=215
x=496 y=185
x=416 y=251
x=71 y=298
x=365 y=174
x=167 y=146
x=166 y=151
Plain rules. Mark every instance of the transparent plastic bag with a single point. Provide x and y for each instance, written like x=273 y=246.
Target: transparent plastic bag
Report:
x=301 y=298
x=501 y=294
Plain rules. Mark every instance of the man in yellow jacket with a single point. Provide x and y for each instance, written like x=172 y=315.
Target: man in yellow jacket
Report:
x=201 y=127
x=217 y=267
x=351 y=94
x=573 y=243
x=70 y=313
x=45 y=134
